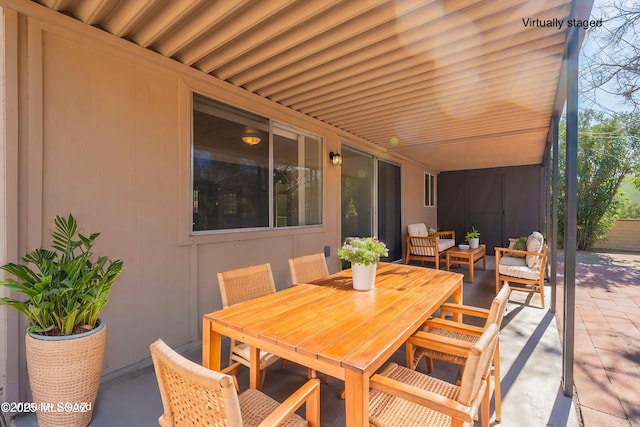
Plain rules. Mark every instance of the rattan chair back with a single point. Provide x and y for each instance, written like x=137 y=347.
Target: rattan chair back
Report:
x=195 y=396
x=478 y=366
x=307 y=268
x=192 y=394
x=499 y=306
x=244 y=284
x=240 y=285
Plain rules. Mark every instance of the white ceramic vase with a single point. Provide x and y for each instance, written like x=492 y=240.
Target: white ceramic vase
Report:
x=474 y=243
x=364 y=276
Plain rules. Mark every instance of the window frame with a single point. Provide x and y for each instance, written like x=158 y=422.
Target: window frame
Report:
x=429 y=187
x=271 y=222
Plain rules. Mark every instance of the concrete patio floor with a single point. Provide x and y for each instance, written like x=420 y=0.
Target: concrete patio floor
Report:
x=606 y=372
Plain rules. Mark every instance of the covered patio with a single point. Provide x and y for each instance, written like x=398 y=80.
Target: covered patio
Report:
x=606 y=359
x=99 y=105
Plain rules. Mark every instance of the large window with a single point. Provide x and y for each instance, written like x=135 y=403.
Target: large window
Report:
x=251 y=173
x=297 y=175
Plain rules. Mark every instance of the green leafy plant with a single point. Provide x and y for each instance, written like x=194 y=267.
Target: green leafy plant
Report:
x=363 y=250
x=473 y=234
x=608 y=148
x=66 y=289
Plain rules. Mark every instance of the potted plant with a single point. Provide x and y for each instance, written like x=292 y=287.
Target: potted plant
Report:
x=473 y=237
x=363 y=254
x=65 y=288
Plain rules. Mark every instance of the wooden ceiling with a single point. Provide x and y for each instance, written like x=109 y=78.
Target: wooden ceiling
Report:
x=452 y=84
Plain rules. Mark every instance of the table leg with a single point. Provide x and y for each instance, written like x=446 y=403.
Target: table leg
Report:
x=484 y=261
x=356 y=400
x=447 y=260
x=456 y=298
x=211 y=346
x=254 y=371
x=471 y=263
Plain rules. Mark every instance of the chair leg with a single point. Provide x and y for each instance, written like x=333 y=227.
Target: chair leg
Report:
x=263 y=374
x=429 y=362
x=542 y=292
x=484 y=406
x=497 y=389
x=410 y=351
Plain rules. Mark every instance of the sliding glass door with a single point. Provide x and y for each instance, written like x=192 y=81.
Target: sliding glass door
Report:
x=389 y=208
x=371 y=200
x=357 y=193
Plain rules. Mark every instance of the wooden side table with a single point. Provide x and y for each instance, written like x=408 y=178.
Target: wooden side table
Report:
x=468 y=257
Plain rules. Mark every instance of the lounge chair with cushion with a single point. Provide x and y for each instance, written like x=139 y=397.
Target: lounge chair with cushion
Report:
x=427 y=245
x=523 y=264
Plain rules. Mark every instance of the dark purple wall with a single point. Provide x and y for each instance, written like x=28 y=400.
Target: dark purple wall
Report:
x=499 y=202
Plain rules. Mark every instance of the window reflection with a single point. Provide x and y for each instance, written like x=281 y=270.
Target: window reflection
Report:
x=231 y=171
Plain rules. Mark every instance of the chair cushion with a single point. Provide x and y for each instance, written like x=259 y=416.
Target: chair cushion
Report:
x=242 y=353
x=418 y=229
x=444 y=244
x=386 y=410
x=535 y=242
x=517 y=267
x=255 y=406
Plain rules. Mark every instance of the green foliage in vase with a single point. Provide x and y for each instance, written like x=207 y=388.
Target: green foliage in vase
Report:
x=473 y=234
x=65 y=287
x=363 y=250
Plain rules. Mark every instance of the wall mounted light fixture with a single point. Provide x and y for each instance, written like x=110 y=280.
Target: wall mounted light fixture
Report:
x=336 y=158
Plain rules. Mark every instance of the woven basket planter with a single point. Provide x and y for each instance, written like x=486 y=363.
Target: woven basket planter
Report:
x=64 y=373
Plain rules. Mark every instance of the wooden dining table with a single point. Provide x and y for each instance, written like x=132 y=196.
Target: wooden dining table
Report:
x=328 y=326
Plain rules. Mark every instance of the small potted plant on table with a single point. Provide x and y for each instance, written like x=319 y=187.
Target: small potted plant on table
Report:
x=65 y=292
x=363 y=254
x=473 y=237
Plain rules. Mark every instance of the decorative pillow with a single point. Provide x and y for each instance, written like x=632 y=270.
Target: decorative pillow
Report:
x=519 y=244
x=432 y=231
x=535 y=243
x=418 y=229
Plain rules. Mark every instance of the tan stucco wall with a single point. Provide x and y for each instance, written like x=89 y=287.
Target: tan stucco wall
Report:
x=9 y=330
x=624 y=236
x=105 y=135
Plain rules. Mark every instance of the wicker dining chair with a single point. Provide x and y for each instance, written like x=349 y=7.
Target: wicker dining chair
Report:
x=403 y=397
x=240 y=285
x=439 y=334
x=307 y=268
x=196 y=396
